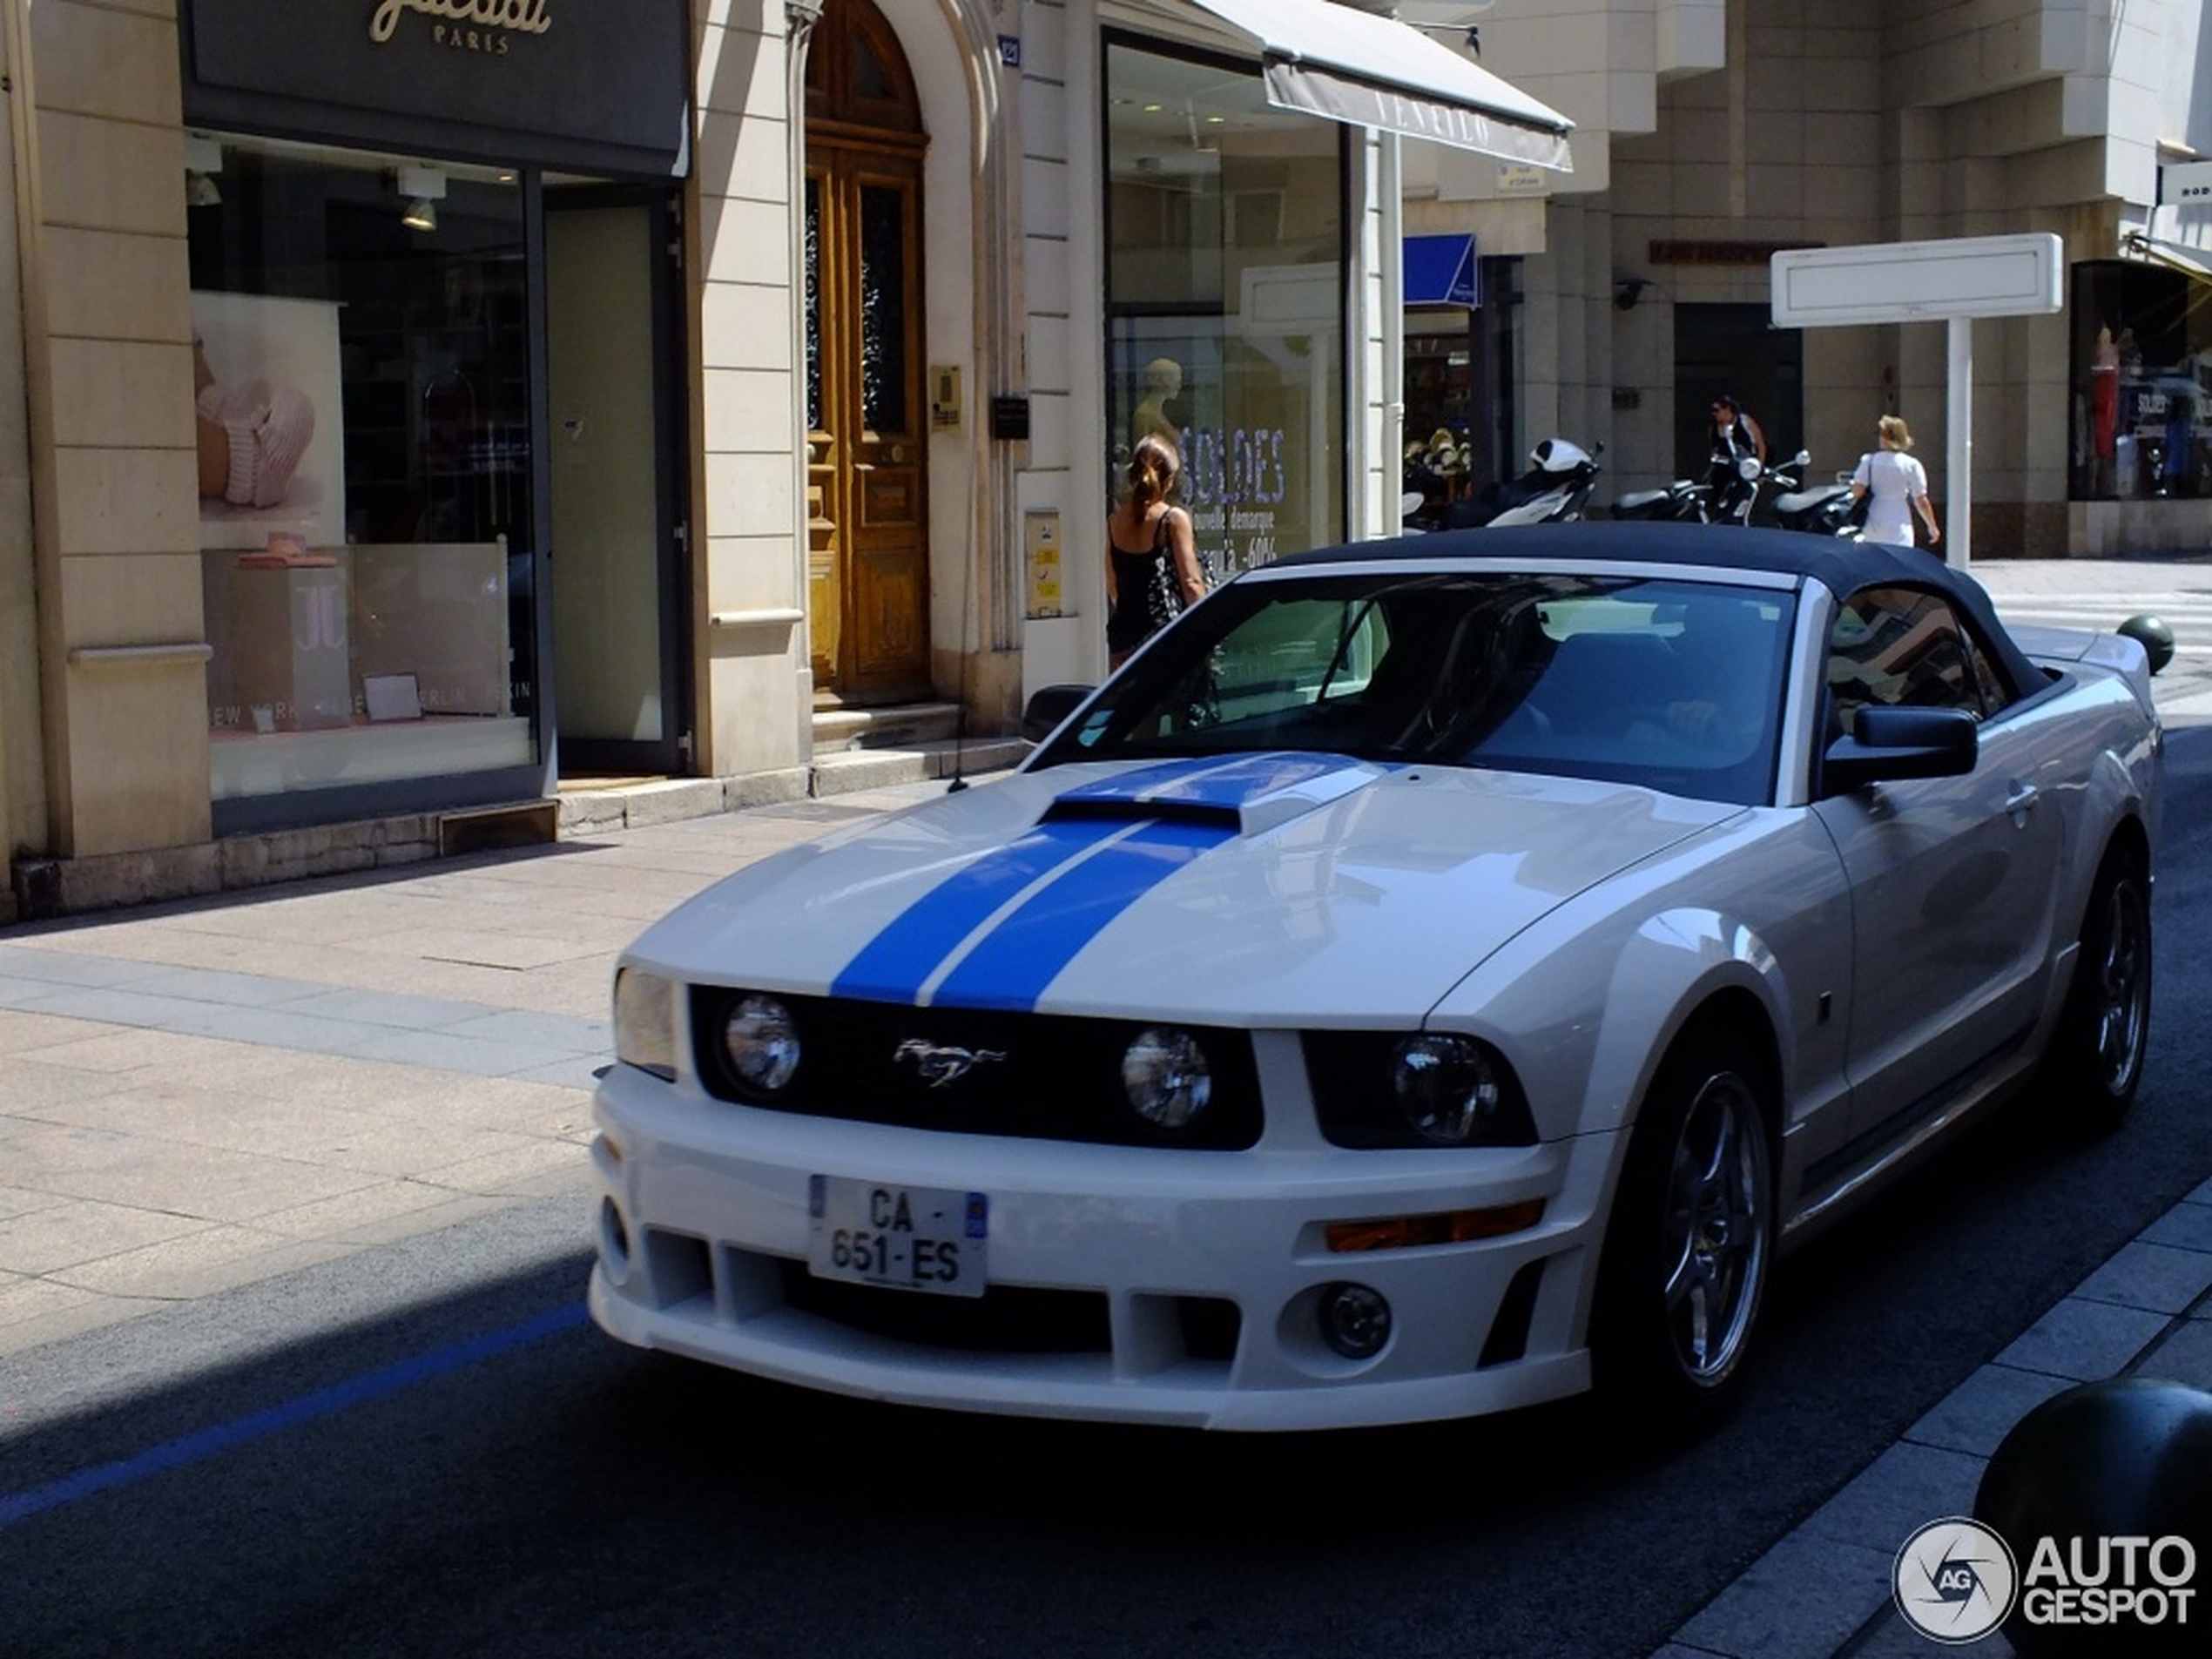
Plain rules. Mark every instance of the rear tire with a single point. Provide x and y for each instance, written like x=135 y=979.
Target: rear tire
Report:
x=2096 y=1056
x=1690 y=1242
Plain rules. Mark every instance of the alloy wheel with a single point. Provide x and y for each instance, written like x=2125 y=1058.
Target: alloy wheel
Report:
x=2121 y=976
x=1717 y=1229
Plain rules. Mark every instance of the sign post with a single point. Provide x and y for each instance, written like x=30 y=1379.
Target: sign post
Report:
x=1954 y=281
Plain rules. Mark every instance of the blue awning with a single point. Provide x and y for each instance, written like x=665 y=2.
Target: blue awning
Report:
x=1440 y=271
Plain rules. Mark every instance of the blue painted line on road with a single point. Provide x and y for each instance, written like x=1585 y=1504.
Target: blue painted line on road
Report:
x=227 y=1437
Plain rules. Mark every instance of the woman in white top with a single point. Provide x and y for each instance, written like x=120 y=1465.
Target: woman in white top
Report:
x=1898 y=485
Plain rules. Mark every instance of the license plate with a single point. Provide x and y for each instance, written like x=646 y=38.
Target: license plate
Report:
x=906 y=1239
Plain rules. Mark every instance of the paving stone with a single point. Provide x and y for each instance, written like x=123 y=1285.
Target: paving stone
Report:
x=2083 y=1341
x=1901 y=1491
x=2159 y=1277
x=1803 y=1599
x=1982 y=1410
x=2186 y=1226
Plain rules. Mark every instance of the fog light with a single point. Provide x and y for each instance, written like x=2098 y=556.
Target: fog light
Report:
x=1355 y=1321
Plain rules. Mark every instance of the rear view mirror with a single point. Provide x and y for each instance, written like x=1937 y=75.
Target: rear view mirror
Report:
x=1890 y=744
x=1048 y=706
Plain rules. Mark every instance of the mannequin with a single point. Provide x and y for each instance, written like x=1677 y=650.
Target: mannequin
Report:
x=1162 y=379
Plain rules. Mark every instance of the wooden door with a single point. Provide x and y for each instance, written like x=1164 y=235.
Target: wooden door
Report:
x=867 y=438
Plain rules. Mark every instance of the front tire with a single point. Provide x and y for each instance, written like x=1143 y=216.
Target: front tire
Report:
x=2096 y=1057
x=1691 y=1243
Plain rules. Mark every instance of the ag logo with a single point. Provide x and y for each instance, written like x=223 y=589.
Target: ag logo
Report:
x=1954 y=1581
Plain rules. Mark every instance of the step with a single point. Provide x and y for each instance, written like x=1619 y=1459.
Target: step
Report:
x=847 y=770
x=902 y=725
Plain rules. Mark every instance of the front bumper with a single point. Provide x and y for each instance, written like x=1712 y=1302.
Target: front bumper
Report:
x=1128 y=1284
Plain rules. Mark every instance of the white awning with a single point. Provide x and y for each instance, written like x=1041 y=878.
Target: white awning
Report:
x=2189 y=261
x=1372 y=71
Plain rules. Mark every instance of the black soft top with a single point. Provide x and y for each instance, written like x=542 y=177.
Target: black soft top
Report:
x=1842 y=567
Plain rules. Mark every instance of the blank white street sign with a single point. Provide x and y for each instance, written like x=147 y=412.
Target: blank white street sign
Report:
x=1950 y=281
x=1965 y=276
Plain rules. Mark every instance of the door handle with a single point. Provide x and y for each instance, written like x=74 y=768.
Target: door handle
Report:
x=2021 y=801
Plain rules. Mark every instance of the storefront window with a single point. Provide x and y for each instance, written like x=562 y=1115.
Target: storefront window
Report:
x=1224 y=299
x=1444 y=459
x=2142 y=357
x=365 y=468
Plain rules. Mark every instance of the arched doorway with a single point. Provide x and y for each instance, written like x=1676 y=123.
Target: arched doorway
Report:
x=867 y=431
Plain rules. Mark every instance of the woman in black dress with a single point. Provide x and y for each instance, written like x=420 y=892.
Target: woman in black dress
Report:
x=1152 y=568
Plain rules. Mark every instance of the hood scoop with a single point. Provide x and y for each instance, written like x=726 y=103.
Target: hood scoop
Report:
x=1240 y=794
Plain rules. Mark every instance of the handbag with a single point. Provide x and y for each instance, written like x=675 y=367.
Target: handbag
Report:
x=1163 y=600
x=1163 y=597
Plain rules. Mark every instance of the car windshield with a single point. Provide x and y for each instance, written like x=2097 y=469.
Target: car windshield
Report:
x=1672 y=684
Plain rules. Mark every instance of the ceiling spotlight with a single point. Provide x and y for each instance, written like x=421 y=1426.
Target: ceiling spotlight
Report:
x=201 y=191
x=422 y=188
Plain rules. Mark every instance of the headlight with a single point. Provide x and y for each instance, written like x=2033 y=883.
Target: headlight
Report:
x=1166 y=1076
x=1446 y=1087
x=646 y=1022
x=761 y=1040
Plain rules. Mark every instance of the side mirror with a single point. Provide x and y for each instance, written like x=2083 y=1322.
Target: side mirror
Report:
x=1802 y=458
x=1892 y=744
x=1048 y=706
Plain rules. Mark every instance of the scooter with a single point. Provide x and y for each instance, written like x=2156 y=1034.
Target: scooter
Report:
x=1554 y=490
x=1686 y=500
x=1737 y=483
x=1820 y=510
x=1725 y=495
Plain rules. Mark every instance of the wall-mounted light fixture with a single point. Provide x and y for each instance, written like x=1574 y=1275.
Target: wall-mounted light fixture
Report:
x=203 y=160
x=423 y=189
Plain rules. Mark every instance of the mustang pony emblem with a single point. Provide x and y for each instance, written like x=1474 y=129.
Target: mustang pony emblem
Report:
x=940 y=1066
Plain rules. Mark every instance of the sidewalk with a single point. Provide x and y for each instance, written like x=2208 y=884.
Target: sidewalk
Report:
x=210 y=1092
x=207 y=1092
x=2107 y=592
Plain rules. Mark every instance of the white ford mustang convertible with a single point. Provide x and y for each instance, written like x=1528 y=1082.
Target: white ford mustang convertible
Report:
x=1433 y=976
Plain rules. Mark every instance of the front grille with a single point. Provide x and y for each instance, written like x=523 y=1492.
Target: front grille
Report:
x=1006 y=1319
x=1056 y=1077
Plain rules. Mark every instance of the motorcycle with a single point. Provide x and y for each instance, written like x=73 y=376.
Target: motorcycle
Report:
x=1686 y=500
x=1725 y=495
x=1554 y=490
x=1821 y=509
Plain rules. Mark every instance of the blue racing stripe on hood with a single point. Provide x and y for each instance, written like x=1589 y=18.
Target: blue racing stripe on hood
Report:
x=1084 y=869
x=1227 y=784
x=1011 y=964
x=892 y=967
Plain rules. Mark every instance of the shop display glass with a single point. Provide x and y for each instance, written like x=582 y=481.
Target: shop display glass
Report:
x=361 y=374
x=2140 y=357
x=1224 y=297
